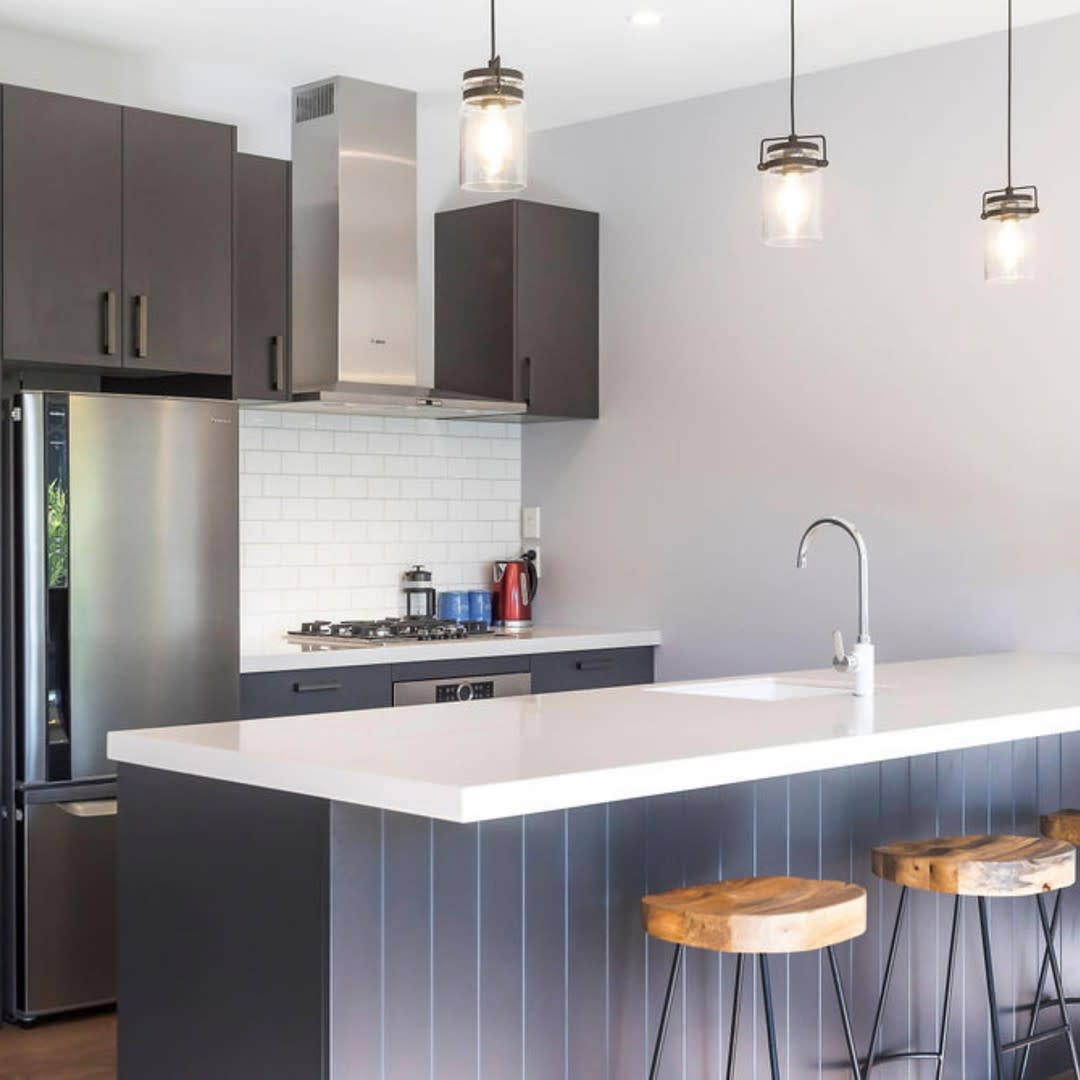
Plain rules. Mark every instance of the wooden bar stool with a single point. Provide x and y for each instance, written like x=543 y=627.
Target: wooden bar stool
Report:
x=1063 y=825
x=984 y=867
x=756 y=916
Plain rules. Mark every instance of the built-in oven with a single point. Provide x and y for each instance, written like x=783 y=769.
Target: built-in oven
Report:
x=462 y=688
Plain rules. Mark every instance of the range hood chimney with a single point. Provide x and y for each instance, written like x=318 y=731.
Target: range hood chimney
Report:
x=354 y=273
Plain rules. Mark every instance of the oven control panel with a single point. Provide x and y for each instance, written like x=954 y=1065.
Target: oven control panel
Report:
x=475 y=691
x=465 y=688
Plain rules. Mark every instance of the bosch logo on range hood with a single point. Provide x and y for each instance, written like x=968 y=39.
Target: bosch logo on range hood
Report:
x=355 y=258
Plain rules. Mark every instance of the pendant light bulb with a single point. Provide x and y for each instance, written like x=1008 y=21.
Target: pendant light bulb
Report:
x=492 y=155
x=1009 y=212
x=792 y=179
x=1010 y=248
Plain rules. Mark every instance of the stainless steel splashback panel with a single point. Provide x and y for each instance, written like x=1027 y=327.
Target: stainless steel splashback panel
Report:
x=154 y=569
x=354 y=243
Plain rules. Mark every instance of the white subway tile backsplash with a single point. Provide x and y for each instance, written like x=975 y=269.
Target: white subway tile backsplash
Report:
x=335 y=508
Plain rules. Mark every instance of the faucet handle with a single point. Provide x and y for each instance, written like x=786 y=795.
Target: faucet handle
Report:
x=839 y=652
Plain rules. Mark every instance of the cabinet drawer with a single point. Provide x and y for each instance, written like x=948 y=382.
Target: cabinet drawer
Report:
x=592 y=669
x=318 y=690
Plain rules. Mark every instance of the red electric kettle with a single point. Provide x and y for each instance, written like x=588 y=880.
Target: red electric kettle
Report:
x=515 y=590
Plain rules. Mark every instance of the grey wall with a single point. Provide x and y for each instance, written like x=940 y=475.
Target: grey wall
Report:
x=747 y=390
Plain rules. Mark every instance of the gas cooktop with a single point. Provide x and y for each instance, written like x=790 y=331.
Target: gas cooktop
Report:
x=385 y=631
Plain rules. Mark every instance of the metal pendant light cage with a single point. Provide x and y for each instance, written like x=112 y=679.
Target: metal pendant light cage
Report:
x=1010 y=202
x=793 y=153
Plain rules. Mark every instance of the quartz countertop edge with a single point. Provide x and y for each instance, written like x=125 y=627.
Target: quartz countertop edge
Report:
x=280 y=654
x=478 y=761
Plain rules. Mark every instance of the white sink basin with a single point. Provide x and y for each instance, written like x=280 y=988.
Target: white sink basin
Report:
x=765 y=689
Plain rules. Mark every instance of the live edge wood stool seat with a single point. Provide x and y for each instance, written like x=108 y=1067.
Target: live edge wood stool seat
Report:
x=984 y=867
x=756 y=917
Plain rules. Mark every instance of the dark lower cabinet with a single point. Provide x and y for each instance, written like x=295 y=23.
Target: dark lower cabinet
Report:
x=263 y=269
x=178 y=241
x=288 y=693
x=517 y=306
x=592 y=669
x=315 y=690
x=62 y=229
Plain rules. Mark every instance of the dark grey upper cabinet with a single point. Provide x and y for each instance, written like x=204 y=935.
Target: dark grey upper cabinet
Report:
x=62 y=229
x=263 y=238
x=178 y=241
x=517 y=306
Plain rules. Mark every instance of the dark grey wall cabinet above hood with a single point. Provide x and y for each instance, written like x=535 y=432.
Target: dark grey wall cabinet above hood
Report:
x=354 y=274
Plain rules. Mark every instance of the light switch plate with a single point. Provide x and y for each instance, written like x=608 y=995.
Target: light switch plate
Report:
x=530 y=522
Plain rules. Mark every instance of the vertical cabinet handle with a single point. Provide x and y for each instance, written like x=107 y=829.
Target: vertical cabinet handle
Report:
x=526 y=380
x=142 y=326
x=109 y=342
x=277 y=354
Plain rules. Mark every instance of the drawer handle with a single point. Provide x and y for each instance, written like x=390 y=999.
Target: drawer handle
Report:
x=315 y=688
x=595 y=665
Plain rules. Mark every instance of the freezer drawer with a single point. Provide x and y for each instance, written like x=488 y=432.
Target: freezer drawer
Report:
x=68 y=958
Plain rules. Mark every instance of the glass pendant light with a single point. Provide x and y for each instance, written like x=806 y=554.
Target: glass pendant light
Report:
x=1009 y=212
x=493 y=137
x=792 y=179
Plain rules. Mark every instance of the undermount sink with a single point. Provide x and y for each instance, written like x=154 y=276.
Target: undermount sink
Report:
x=765 y=689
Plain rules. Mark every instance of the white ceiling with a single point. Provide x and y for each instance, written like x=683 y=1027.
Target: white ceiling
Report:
x=581 y=57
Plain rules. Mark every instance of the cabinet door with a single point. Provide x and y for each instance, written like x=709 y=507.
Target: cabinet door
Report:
x=557 y=306
x=314 y=690
x=263 y=236
x=592 y=669
x=62 y=229
x=178 y=241
x=474 y=301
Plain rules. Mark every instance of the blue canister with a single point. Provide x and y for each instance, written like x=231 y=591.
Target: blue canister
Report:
x=454 y=606
x=480 y=606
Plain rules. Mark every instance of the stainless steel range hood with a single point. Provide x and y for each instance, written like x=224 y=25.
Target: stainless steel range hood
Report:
x=354 y=257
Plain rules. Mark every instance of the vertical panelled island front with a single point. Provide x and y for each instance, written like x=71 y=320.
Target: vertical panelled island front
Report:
x=453 y=891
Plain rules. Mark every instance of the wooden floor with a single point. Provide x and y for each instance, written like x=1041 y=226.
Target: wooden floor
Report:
x=80 y=1049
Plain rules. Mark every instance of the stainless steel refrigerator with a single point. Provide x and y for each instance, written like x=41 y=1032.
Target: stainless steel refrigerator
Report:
x=121 y=610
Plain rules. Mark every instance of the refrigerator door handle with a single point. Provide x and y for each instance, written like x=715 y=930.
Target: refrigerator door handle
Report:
x=90 y=808
x=32 y=433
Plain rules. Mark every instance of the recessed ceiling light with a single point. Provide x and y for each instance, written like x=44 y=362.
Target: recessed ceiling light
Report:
x=645 y=18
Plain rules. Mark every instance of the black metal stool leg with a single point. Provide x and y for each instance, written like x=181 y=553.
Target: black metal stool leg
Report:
x=1055 y=971
x=875 y=1035
x=770 y=1022
x=1036 y=1006
x=669 y=995
x=991 y=992
x=853 y=1054
x=736 y=1005
x=947 y=1004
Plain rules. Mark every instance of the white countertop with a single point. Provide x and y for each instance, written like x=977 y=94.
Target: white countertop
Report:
x=280 y=654
x=475 y=761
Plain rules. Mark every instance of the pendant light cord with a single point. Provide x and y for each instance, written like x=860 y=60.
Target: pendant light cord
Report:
x=494 y=55
x=791 y=87
x=1009 y=110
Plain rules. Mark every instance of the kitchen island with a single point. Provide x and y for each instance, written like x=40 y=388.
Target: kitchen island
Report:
x=452 y=891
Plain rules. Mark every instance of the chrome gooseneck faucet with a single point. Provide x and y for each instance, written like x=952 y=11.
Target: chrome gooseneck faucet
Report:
x=860 y=661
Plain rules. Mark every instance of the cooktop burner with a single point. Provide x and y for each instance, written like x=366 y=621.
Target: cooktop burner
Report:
x=377 y=631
